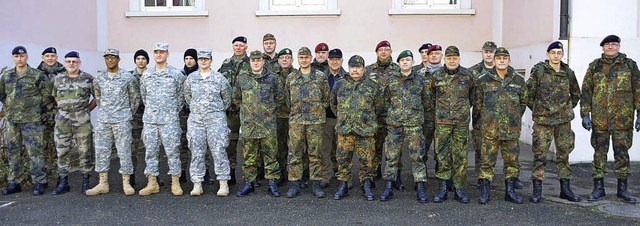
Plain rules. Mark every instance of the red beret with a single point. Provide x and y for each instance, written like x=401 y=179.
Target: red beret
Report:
x=383 y=43
x=434 y=48
x=322 y=47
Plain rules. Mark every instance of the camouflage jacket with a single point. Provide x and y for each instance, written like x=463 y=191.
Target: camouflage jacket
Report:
x=140 y=110
x=282 y=111
x=380 y=74
x=429 y=111
x=420 y=68
x=308 y=97
x=231 y=68
x=271 y=64
x=315 y=65
x=502 y=103
x=405 y=99
x=117 y=96
x=357 y=105
x=610 y=93
x=552 y=95
x=207 y=97
x=477 y=70
x=51 y=72
x=72 y=94
x=258 y=96
x=452 y=96
x=24 y=97
x=162 y=94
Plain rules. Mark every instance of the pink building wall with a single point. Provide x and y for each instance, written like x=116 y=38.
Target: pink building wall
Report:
x=528 y=22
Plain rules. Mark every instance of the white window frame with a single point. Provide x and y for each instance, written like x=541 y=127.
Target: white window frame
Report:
x=265 y=10
x=137 y=9
x=463 y=8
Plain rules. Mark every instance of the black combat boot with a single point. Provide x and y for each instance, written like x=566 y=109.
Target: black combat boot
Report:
x=517 y=184
x=246 y=189
x=421 y=192
x=132 y=179
x=536 y=195
x=510 y=192
x=623 y=193
x=450 y=186
x=598 y=190
x=63 y=185
x=398 y=184
x=343 y=191
x=317 y=189
x=294 y=186
x=461 y=196
x=85 y=183
x=441 y=195
x=485 y=191
x=12 y=188
x=38 y=189
x=366 y=190
x=565 y=191
x=232 y=181
x=388 y=191
x=273 y=188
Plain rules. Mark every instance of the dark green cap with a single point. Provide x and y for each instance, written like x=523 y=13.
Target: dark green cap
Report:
x=404 y=54
x=489 y=45
x=452 y=51
x=356 y=61
x=304 y=51
x=268 y=36
x=285 y=51
x=256 y=54
x=502 y=51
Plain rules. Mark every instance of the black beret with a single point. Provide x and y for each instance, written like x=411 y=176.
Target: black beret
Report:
x=72 y=54
x=18 y=50
x=424 y=46
x=239 y=39
x=50 y=50
x=335 y=53
x=610 y=38
x=140 y=52
x=555 y=45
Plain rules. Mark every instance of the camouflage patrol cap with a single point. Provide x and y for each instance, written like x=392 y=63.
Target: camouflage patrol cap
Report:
x=356 y=61
x=204 y=53
x=502 y=51
x=161 y=46
x=256 y=54
x=404 y=54
x=452 y=51
x=113 y=52
x=285 y=51
x=489 y=45
x=304 y=51
x=268 y=36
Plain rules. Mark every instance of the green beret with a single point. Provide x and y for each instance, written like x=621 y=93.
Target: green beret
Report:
x=285 y=51
x=404 y=54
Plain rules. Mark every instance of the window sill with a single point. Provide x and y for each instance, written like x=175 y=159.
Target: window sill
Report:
x=261 y=13
x=432 y=11
x=197 y=13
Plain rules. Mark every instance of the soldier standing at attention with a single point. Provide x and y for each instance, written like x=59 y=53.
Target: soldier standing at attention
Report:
x=161 y=89
x=117 y=97
x=357 y=101
x=320 y=62
x=329 y=138
x=406 y=97
x=283 y=69
x=307 y=98
x=23 y=92
x=258 y=94
x=500 y=96
x=270 y=56
x=141 y=60
x=208 y=95
x=610 y=96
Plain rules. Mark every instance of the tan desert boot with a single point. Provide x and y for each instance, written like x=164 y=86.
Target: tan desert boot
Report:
x=102 y=187
x=151 y=188
x=224 y=188
x=126 y=186
x=197 y=189
x=175 y=185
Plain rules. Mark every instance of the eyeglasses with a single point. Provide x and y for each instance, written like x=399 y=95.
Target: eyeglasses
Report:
x=72 y=61
x=613 y=44
x=384 y=49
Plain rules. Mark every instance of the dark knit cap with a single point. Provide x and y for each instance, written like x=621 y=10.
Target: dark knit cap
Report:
x=140 y=52
x=192 y=53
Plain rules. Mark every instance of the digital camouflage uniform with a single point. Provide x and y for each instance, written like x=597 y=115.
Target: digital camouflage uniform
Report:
x=551 y=96
x=610 y=94
x=208 y=98
x=307 y=99
x=405 y=99
x=231 y=68
x=163 y=98
x=117 y=98
x=501 y=102
x=257 y=96
x=452 y=94
x=24 y=97
x=476 y=136
x=329 y=136
x=137 y=147
x=49 y=121
x=356 y=124
x=282 y=113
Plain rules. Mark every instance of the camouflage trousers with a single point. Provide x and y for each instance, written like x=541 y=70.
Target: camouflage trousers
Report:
x=328 y=154
x=25 y=166
x=510 y=150
x=74 y=129
x=215 y=136
x=363 y=147
x=451 y=153
x=167 y=134
x=428 y=129
x=20 y=136
x=622 y=141
x=476 y=139
x=283 y=142
x=49 y=146
x=184 y=144
x=305 y=138
x=398 y=138
x=267 y=147
x=137 y=146
x=542 y=137
x=233 y=122
x=380 y=136
x=106 y=134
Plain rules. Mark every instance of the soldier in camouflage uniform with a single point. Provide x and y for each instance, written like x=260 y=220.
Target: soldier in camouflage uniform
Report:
x=307 y=98
x=23 y=92
x=117 y=96
x=380 y=71
x=424 y=57
x=270 y=55
x=4 y=167
x=162 y=94
x=406 y=97
x=208 y=95
x=451 y=90
x=231 y=68
x=320 y=62
x=329 y=137
x=351 y=100
x=190 y=59
x=552 y=93
x=141 y=60
x=258 y=94
x=610 y=95
x=500 y=97
x=282 y=112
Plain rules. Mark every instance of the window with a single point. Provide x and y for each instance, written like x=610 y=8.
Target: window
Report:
x=167 y=8
x=298 y=8
x=460 y=7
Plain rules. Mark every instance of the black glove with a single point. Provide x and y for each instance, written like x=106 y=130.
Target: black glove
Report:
x=638 y=123
x=586 y=123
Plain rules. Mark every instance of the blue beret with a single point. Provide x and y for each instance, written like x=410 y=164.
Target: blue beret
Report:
x=50 y=50
x=610 y=38
x=18 y=50
x=335 y=53
x=555 y=45
x=239 y=39
x=72 y=54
